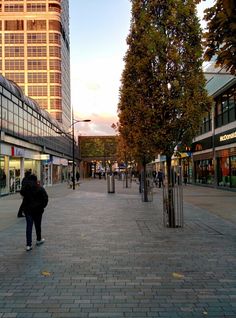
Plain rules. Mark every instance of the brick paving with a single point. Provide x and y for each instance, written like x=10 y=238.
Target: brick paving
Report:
x=108 y=255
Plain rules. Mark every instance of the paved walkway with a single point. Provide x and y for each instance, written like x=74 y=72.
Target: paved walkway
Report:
x=108 y=255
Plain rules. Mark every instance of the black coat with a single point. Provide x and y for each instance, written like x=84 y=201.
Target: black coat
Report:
x=35 y=198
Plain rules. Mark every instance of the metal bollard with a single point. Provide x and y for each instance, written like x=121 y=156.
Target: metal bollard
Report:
x=110 y=184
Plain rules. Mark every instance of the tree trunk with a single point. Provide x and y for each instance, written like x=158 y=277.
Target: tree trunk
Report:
x=145 y=189
x=170 y=193
x=126 y=175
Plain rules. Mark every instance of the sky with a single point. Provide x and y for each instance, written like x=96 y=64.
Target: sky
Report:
x=98 y=32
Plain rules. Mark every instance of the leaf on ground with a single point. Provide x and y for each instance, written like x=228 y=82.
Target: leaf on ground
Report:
x=177 y=275
x=46 y=273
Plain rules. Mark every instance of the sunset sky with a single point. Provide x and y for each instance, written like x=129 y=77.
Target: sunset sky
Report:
x=98 y=31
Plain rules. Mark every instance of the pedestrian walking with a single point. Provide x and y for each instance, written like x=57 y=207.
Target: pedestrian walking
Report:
x=77 y=176
x=160 y=177
x=20 y=213
x=35 y=200
x=185 y=178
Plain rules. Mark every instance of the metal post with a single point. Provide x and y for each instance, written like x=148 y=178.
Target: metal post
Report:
x=73 y=155
x=73 y=143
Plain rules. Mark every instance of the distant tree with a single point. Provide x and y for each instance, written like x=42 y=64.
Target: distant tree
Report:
x=162 y=94
x=220 y=38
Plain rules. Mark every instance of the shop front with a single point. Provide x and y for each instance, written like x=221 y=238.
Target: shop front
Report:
x=216 y=166
x=226 y=164
x=204 y=169
x=59 y=169
x=14 y=162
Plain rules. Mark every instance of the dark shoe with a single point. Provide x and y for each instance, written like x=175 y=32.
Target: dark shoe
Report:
x=40 y=242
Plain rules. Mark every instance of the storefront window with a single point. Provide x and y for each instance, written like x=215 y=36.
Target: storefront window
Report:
x=3 y=178
x=56 y=173
x=224 y=172
x=14 y=174
x=204 y=171
x=233 y=171
x=33 y=165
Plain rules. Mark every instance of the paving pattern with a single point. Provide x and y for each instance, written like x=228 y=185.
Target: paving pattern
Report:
x=108 y=255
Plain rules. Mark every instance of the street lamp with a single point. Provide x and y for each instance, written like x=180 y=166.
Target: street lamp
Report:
x=73 y=147
x=73 y=144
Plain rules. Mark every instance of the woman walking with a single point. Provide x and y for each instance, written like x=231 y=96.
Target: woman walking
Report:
x=35 y=200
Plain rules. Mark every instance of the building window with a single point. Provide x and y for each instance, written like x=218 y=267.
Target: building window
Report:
x=55 y=65
x=16 y=77
x=14 y=7
x=54 y=51
x=55 y=77
x=54 y=7
x=37 y=65
x=232 y=105
x=55 y=91
x=55 y=38
x=43 y=103
x=226 y=171
x=225 y=108
x=36 y=7
x=37 y=51
x=206 y=124
x=36 y=25
x=54 y=25
x=14 y=51
x=12 y=65
x=223 y=172
x=37 y=77
x=55 y=104
x=57 y=116
x=14 y=38
x=233 y=171
x=37 y=90
x=204 y=171
x=14 y=25
x=36 y=38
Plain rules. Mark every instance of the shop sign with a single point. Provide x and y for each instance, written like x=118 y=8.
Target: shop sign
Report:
x=42 y=157
x=203 y=144
x=59 y=161
x=228 y=136
x=17 y=152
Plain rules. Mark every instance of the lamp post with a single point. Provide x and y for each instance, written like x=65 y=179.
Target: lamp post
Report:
x=73 y=147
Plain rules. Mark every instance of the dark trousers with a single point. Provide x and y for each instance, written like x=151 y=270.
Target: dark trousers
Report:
x=30 y=220
x=21 y=210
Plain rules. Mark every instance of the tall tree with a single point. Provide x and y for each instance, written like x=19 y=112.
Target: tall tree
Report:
x=162 y=95
x=220 y=38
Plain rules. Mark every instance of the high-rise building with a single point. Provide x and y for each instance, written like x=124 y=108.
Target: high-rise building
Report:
x=35 y=52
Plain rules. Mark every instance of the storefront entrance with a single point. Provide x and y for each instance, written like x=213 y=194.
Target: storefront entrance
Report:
x=14 y=175
x=226 y=172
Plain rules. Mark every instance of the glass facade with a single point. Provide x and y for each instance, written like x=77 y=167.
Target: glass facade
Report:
x=35 y=48
x=23 y=119
x=3 y=176
x=34 y=137
x=214 y=155
x=225 y=108
x=206 y=124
